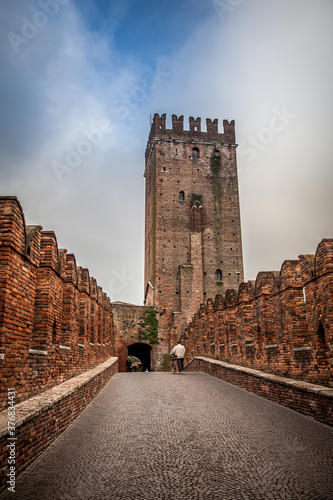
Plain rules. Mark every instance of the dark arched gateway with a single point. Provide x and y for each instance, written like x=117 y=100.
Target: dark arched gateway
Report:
x=141 y=351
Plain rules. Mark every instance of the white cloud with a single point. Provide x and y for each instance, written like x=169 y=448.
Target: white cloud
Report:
x=265 y=57
x=69 y=77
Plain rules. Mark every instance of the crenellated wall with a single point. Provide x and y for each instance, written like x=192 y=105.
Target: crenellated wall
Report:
x=280 y=323
x=55 y=321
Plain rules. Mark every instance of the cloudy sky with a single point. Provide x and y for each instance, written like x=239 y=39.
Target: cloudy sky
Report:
x=80 y=80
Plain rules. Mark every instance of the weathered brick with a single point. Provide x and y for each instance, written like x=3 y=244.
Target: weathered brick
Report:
x=55 y=322
x=282 y=323
x=192 y=221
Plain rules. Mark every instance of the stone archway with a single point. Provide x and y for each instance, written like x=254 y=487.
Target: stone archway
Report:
x=142 y=351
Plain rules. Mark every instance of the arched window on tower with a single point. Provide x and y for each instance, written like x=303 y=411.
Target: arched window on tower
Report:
x=195 y=153
x=218 y=275
x=181 y=196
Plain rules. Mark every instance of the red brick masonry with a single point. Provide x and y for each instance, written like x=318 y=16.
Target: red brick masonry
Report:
x=40 y=419
x=312 y=400
x=282 y=323
x=55 y=322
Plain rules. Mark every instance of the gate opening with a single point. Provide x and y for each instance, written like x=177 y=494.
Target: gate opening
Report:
x=141 y=351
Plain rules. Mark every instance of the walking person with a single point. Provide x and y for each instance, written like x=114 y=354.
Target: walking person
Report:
x=128 y=364
x=179 y=352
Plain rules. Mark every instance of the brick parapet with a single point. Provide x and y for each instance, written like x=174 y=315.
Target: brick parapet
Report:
x=310 y=399
x=47 y=330
x=40 y=419
x=12 y=224
x=282 y=323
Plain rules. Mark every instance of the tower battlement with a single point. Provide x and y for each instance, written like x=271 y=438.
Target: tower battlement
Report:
x=193 y=247
x=195 y=134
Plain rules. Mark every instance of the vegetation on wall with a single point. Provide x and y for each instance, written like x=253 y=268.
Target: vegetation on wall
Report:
x=215 y=163
x=215 y=167
x=149 y=326
x=196 y=197
x=166 y=362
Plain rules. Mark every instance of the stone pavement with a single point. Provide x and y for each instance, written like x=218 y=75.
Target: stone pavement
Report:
x=158 y=436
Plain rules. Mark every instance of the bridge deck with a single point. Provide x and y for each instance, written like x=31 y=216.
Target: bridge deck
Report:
x=162 y=436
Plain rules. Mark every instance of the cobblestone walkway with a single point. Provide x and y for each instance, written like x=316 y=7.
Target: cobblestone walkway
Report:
x=158 y=436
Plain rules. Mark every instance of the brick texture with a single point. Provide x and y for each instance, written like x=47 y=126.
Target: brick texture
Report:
x=192 y=220
x=281 y=323
x=127 y=338
x=55 y=321
x=42 y=418
x=311 y=400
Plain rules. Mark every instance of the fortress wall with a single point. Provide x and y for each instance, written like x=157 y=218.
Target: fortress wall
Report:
x=127 y=318
x=312 y=400
x=282 y=323
x=42 y=418
x=55 y=322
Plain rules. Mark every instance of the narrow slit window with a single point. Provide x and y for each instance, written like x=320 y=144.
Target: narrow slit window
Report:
x=181 y=196
x=195 y=153
x=218 y=275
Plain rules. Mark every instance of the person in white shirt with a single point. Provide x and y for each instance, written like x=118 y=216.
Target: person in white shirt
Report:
x=179 y=352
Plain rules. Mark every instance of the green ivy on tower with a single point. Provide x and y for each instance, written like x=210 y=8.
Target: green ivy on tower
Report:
x=149 y=326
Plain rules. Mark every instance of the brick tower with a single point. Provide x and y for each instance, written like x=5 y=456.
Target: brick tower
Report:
x=193 y=247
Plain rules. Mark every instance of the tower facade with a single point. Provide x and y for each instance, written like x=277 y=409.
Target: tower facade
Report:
x=193 y=248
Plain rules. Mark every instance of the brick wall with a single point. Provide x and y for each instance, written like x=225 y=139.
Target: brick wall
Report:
x=312 y=400
x=281 y=323
x=127 y=318
x=55 y=321
x=39 y=420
